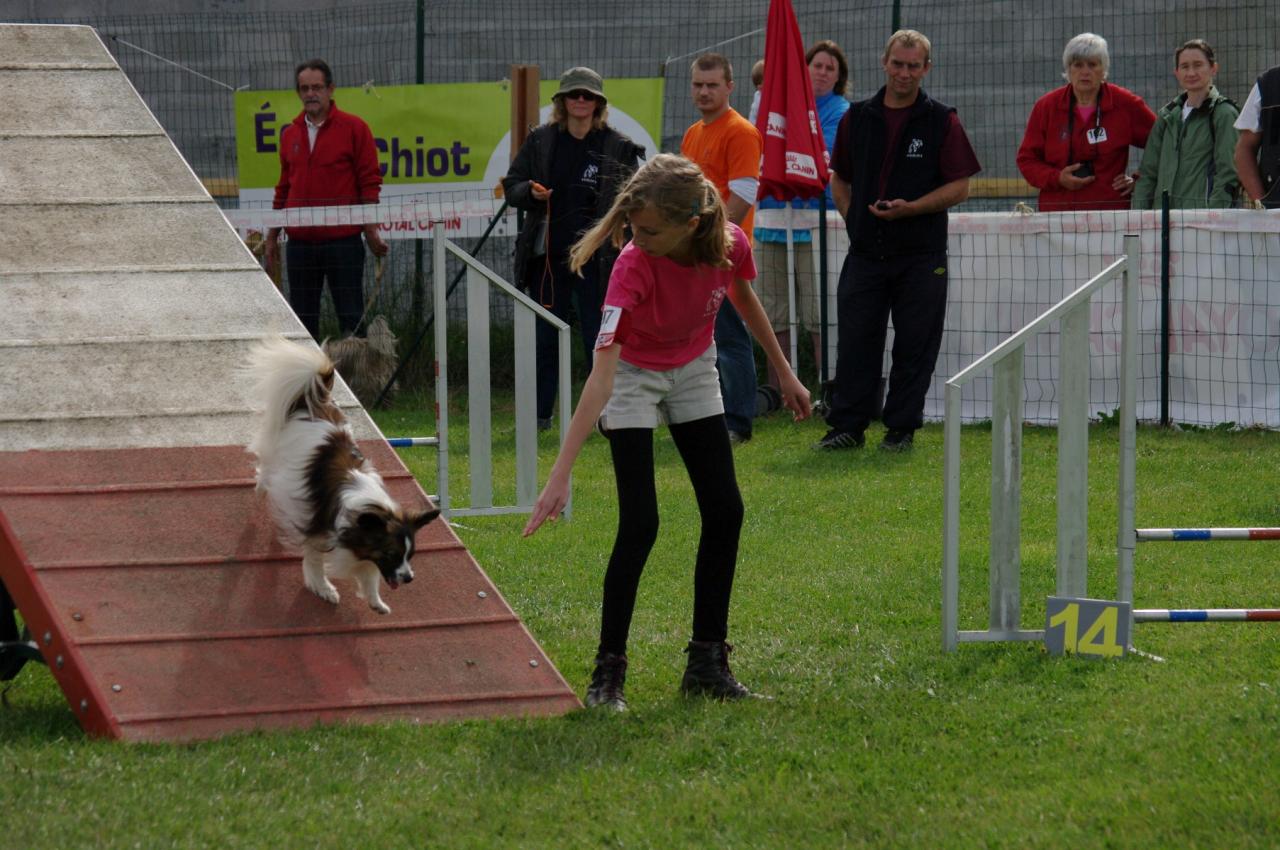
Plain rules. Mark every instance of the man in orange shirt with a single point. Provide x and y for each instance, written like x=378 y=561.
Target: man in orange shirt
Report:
x=727 y=149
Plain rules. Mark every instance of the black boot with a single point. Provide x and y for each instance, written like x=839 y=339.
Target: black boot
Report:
x=707 y=672
x=607 y=681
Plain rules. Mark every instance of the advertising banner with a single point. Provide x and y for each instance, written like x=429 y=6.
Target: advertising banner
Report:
x=438 y=142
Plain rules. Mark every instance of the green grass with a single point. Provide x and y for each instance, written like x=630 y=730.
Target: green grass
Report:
x=875 y=737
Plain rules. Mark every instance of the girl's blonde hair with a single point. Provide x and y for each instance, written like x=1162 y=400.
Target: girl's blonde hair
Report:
x=678 y=191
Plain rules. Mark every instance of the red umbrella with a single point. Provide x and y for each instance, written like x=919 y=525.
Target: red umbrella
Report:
x=794 y=163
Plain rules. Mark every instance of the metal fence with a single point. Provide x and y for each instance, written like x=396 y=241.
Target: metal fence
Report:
x=991 y=60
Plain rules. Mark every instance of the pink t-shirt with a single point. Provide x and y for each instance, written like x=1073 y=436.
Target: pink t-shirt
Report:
x=662 y=313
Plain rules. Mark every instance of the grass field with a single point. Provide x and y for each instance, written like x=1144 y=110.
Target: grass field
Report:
x=875 y=738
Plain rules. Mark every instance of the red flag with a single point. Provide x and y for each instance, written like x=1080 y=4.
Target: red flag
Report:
x=794 y=162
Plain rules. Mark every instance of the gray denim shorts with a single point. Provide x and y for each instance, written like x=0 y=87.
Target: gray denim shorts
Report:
x=644 y=398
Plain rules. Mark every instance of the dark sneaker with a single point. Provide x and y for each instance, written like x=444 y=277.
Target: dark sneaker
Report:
x=544 y=424
x=607 y=682
x=707 y=672
x=768 y=399
x=897 y=441
x=837 y=439
x=737 y=438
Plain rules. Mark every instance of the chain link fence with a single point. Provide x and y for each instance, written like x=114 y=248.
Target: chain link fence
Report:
x=991 y=60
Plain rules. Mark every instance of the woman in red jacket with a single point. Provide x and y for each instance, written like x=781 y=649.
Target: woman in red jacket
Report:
x=1076 y=147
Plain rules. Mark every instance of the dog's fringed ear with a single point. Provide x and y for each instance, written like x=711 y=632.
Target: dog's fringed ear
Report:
x=372 y=521
x=419 y=519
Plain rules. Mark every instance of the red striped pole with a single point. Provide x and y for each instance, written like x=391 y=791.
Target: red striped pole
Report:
x=1206 y=615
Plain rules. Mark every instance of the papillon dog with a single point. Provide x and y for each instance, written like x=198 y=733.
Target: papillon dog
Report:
x=325 y=497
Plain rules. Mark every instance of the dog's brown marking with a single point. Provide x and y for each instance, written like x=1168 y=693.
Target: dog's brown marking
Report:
x=329 y=469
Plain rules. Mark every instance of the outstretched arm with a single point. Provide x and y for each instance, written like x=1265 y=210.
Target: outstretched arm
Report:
x=595 y=394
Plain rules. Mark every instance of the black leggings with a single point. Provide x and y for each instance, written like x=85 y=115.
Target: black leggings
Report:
x=704 y=447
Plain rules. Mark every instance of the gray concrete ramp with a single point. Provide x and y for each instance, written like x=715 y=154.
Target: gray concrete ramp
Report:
x=122 y=282
x=131 y=535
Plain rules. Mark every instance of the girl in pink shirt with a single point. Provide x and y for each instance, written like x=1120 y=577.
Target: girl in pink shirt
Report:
x=655 y=363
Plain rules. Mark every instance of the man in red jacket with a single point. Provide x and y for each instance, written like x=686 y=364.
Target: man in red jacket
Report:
x=327 y=158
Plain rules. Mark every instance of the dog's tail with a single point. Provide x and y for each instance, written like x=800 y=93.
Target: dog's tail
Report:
x=287 y=376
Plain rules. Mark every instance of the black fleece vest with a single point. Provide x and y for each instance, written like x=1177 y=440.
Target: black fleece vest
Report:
x=1269 y=153
x=916 y=171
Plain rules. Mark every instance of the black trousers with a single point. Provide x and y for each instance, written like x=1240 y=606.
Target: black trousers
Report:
x=8 y=624
x=563 y=293
x=912 y=291
x=704 y=448
x=341 y=262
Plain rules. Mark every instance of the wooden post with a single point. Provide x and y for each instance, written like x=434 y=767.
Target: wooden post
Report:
x=524 y=103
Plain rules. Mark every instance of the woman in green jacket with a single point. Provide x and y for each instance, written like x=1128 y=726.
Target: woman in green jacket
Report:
x=1190 y=153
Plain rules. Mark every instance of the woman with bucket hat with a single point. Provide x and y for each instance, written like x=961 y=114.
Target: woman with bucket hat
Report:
x=565 y=177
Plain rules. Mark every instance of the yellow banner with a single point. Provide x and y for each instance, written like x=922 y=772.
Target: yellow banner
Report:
x=447 y=136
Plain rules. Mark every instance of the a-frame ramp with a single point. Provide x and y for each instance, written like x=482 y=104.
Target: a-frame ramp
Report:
x=131 y=536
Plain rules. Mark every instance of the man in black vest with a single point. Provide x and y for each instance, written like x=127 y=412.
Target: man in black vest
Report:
x=901 y=160
x=1258 y=150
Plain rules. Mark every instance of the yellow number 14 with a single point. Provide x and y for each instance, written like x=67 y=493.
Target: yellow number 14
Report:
x=1105 y=625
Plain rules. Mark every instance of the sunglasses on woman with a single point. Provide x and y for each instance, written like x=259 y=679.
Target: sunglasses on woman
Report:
x=579 y=95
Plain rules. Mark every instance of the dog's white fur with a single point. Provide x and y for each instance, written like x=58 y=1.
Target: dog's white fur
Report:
x=291 y=385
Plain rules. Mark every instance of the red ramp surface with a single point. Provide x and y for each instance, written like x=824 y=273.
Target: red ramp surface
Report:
x=153 y=582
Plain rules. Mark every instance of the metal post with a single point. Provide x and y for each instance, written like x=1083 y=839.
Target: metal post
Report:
x=951 y=519
x=566 y=404
x=420 y=31
x=420 y=76
x=1164 y=309
x=526 y=392
x=793 y=328
x=440 y=291
x=1127 y=489
x=1073 y=452
x=479 y=408
x=822 y=288
x=1005 y=611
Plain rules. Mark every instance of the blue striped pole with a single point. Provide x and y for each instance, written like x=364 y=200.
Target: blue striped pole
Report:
x=1206 y=615
x=1179 y=534
x=409 y=442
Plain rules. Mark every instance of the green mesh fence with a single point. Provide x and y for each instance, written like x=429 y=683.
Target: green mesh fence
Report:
x=992 y=60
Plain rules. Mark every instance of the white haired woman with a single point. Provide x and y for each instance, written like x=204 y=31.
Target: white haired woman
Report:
x=1076 y=146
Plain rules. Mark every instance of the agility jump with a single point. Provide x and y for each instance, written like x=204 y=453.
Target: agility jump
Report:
x=1205 y=615
x=1005 y=361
